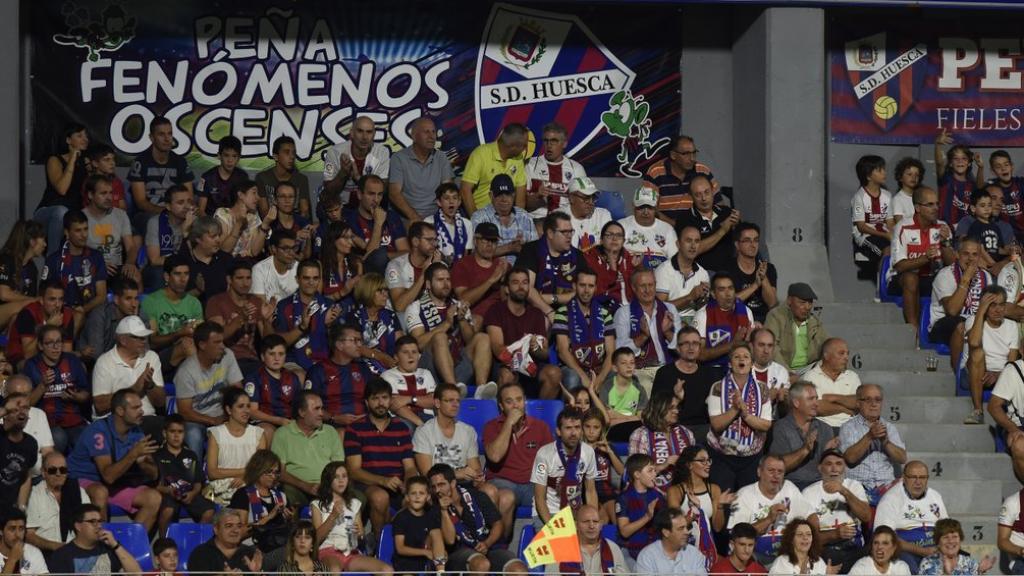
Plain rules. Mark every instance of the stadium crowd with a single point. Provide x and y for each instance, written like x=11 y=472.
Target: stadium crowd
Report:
x=385 y=379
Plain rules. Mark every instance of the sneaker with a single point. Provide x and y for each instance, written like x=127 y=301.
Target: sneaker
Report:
x=976 y=417
x=462 y=389
x=487 y=391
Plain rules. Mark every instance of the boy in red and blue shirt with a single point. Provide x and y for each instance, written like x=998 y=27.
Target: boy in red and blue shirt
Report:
x=636 y=506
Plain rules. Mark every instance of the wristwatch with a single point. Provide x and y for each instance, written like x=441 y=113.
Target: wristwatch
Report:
x=440 y=560
x=413 y=401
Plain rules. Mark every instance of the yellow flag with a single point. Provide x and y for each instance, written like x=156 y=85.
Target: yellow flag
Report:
x=557 y=542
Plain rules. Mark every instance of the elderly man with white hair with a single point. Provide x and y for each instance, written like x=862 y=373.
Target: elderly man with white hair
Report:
x=130 y=364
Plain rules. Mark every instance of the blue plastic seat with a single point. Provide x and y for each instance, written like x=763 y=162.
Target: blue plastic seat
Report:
x=546 y=410
x=926 y=315
x=883 y=283
x=527 y=535
x=187 y=537
x=524 y=511
x=133 y=537
x=386 y=546
x=477 y=413
x=610 y=532
x=172 y=405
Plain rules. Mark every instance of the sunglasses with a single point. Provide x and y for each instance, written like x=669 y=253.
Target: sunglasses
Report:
x=57 y=470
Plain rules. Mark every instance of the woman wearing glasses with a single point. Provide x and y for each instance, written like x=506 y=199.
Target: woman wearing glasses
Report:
x=699 y=498
x=264 y=507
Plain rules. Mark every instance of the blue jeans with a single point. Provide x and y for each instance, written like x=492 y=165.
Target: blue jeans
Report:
x=53 y=218
x=64 y=439
x=195 y=438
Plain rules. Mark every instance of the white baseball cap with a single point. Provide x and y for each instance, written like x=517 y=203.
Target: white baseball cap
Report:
x=134 y=326
x=582 y=185
x=645 y=196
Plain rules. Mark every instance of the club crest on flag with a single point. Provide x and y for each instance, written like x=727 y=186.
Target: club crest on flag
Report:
x=885 y=76
x=536 y=67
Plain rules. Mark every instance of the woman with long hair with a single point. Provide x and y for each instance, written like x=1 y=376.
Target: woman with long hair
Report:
x=231 y=445
x=950 y=558
x=661 y=437
x=699 y=498
x=65 y=177
x=884 y=557
x=740 y=410
x=379 y=323
x=300 y=553
x=800 y=552
x=264 y=506
x=613 y=265
x=339 y=524
x=19 y=276
x=243 y=232
x=342 y=269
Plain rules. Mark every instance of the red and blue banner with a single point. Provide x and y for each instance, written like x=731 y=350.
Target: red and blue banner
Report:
x=902 y=80
x=260 y=69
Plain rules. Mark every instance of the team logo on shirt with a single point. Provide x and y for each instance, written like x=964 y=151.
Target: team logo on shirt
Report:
x=884 y=76
x=529 y=57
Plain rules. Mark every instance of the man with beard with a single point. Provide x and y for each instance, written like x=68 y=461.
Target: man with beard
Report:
x=548 y=175
x=16 y=555
x=114 y=461
x=722 y=321
x=564 y=470
x=584 y=336
x=200 y=383
x=516 y=331
x=244 y=316
x=417 y=171
x=552 y=262
x=477 y=277
x=378 y=454
x=681 y=281
x=79 y=268
x=18 y=453
x=452 y=345
x=648 y=326
x=304 y=318
x=404 y=274
x=842 y=507
x=110 y=231
x=690 y=381
x=173 y=314
x=348 y=161
x=476 y=524
x=599 y=555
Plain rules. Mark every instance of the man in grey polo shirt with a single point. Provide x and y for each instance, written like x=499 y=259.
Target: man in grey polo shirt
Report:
x=417 y=171
x=871 y=445
x=800 y=438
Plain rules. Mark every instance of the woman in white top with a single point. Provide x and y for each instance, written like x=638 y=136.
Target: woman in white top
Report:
x=800 y=552
x=339 y=525
x=231 y=445
x=244 y=232
x=885 y=547
x=699 y=498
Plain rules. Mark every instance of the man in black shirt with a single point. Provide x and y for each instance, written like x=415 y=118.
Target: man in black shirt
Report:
x=756 y=279
x=714 y=222
x=18 y=453
x=690 y=381
x=552 y=262
x=225 y=550
x=94 y=549
x=156 y=170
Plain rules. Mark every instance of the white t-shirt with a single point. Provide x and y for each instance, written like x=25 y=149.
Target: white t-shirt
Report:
x=832 y=509
x=669 y=280
x=774 y=376
x=903 y=205
x=378 y=162
x=751 y=505
x=700 y=322
x=872 y=211
x=399 y=381
x=845 y=385
x=554 y=175
x=455 y=451
x=547 y=464
x=32 y=561
x=267 y=283
x=1010 y=388
x=866 y=567
x=782 y=565
x=656 y=243
x=586 y=233
x=38 y=427
x=1008 y=516
x=996 y=342
x=112 y=373
x=945 y=284
x=43 y=513
x=342 y=536
x=899 y=512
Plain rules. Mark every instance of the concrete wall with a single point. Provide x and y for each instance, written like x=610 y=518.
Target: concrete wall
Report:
x=10 y=116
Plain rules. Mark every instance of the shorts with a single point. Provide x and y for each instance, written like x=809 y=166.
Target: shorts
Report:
x=458 y=559
x=942 y=330
x=195 y=509
x=123 y=498
x=523 y=491
x=924 y=286
x=397 y=498
x=343 y=559
x=871 y=248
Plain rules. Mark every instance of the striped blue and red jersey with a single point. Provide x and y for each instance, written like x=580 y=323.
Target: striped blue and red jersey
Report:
x=382 y=450
x=340 y=386
x=954 y=197
x=632 y=505
x=1013 y=203
x=312 y=346
x=274 y=395
x=69 y=374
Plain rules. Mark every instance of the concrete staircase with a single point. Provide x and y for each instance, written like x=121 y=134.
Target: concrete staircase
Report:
x=965 y=469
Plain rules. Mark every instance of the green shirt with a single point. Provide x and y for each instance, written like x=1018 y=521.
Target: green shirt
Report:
x=305 y=456
x=624 y=402
x=171 y=316
x=800 y=353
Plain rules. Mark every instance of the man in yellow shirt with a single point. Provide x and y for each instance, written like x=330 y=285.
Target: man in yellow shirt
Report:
x=503 y=156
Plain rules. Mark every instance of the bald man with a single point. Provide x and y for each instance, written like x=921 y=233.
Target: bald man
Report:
x=912 y=511
x=870 y=445
x=348 y=161
x=836 y=383
x=600 y=555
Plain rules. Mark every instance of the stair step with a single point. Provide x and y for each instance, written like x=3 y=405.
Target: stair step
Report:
x=925 y=409
x=888 y=336
x=947 y=438
x=898 y=360
x=991 y=466
x=971 y=496
x=979 y=530
x=898 y=383
x=838 y=313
